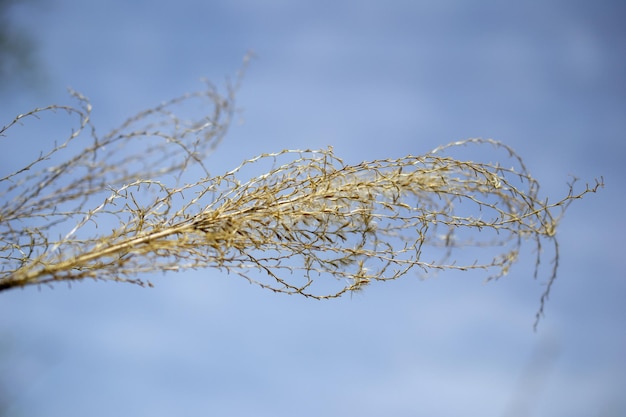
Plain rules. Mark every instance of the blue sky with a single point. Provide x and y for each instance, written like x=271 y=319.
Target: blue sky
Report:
x=374 y=80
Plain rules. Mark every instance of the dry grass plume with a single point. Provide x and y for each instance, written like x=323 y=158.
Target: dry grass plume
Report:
x=303 y=223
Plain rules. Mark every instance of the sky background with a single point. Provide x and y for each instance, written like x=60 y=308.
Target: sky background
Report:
x=374 y=80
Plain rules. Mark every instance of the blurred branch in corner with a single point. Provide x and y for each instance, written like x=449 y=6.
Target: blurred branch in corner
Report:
x=19 y=66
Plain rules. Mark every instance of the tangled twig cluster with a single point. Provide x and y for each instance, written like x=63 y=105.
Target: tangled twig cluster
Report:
x=294 y=221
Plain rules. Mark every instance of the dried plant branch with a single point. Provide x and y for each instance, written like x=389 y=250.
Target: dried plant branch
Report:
x=297 y=222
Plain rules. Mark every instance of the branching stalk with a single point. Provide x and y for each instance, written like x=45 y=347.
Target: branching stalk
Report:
x=296 y=221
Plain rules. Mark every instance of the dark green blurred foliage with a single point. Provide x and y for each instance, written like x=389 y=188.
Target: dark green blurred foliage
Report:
x=18 y=62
